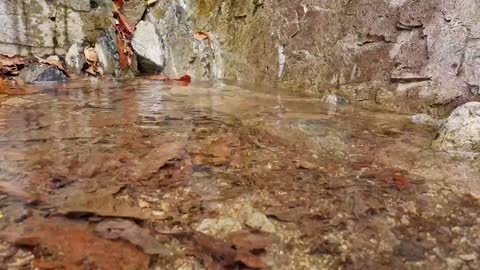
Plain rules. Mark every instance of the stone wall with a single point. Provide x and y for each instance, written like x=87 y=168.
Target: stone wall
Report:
x=407 y=54
x=410 y=55
x=44 y=27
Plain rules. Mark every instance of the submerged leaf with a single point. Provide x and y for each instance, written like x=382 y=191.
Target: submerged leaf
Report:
x=74 y=246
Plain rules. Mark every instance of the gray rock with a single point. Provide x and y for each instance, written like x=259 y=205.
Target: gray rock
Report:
x=38 y=73
x=106 y=49
x=461 y=130
x=219 y=227
x=134 y=10
x=75 y=58
x=50 y=27
x=425 y=119
x=148 y=47
x=334 y=100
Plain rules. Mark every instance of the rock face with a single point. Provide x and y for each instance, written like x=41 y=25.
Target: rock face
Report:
x=148 y=47
x=461 y=131
x=51 y=26
x=424 y=53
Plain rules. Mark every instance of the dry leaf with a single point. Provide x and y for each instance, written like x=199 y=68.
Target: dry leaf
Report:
x=122 y=52
x=201 y=36
x=101 y=203
x=74 y=246
x=52 y=62
x=131 y=232
x=151 y=2
x=91 y=55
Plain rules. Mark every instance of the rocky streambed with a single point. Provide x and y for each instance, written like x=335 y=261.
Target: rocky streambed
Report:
x=145 y=174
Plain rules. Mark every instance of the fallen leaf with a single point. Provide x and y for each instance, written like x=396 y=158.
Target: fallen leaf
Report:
x=119 y=3
x=221 y=252
x=102 y=203
x=3 y=85
x=91 y=55
x=128 y=230
x=122 y=52
x=472 y=196
x=184 y=78
x=200 y=36
x=250 y=241
x=124 y=25
x=158 y=157
x=151 y=2
x=401 y=181
x=17 y=192
x=303 y=164
x=74 y=246
x=52 y=62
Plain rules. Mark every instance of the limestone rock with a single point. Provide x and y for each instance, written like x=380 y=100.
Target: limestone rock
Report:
x=148 y=47
x=334 y=100
x=75 y=58
x=38 y=73
x=106 y=49
x=134 y=10
x=425 y=119
x=256 y=220
x=219 y=227
x=461 y=131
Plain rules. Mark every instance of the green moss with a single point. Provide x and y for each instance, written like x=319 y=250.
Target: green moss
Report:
x=206 y=7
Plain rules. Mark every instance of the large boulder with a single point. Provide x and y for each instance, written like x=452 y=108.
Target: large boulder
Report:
x=148 y=47
x=461 y=131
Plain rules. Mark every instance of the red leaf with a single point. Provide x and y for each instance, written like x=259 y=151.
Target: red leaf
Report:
x=119 y=3
x=122 y=52
x=401 y=181
x=124 y=25
x=184 y=78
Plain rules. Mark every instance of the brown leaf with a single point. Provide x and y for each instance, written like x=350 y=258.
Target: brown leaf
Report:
x=102 y=203
x=17 y=192
x=158 y=157
x=131 y=232
x=119 y=3
x=91 y=55
x=74 y=245
x=303 y=164
x=3 y=85
x=200 y=36
x=122 y=52
x=124 y=25
x=250 y=241
x=52 y=62
x=214 y=251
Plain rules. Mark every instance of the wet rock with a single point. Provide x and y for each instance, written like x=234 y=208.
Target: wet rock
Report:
x=410 y=251
x=334 y=100
x=425 y=119
x=256 y=220
x=148 y=47
x=38 y=73
x=219 y=227
x=461 y=130
x=133 y=10
x=106 y=49
x=75 y=58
